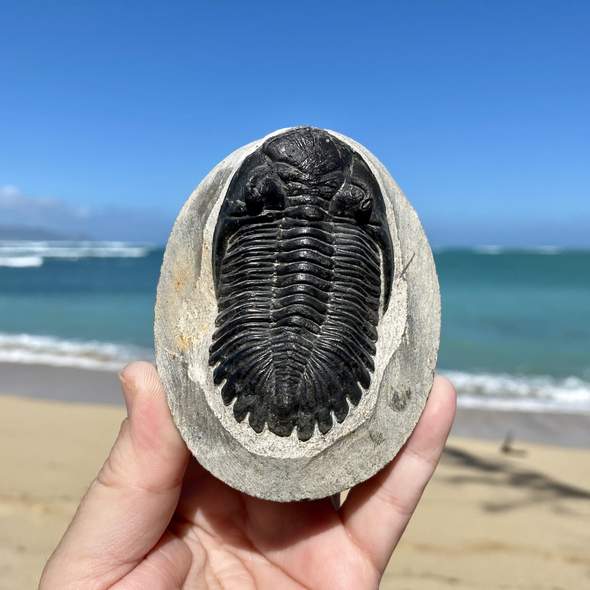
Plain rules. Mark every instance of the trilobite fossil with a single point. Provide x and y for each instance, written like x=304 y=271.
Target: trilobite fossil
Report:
x=302 y=269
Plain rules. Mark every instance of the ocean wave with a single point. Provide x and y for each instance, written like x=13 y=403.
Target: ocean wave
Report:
x=535 y=393
x=21 y=261
x=47 y=350
x=495 y=250
x=519 y=392
x=17 y=253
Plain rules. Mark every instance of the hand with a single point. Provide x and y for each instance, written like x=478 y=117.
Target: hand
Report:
x=154 y=519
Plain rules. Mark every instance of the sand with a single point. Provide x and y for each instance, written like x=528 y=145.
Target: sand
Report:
x=488 y=520
x=491 y=522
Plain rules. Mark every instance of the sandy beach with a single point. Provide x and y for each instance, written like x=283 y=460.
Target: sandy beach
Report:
x=489 y=520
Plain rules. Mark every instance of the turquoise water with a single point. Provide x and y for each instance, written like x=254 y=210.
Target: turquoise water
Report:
x=516 y=312
x=515 y=330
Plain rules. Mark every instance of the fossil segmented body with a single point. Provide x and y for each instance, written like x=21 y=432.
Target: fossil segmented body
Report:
x=302 y=264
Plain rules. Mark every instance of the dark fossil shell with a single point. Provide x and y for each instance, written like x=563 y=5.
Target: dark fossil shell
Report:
x=302 y=265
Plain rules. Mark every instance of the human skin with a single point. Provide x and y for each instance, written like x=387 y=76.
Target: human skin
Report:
x=154 y=518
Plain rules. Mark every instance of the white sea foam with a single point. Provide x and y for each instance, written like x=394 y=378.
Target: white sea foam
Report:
x=494 y=250
x=47 y=350
x=17 y=253
x=531 y=392
x=21 y=261
x=489 y=249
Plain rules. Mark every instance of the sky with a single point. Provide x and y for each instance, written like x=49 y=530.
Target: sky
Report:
x=112 y=112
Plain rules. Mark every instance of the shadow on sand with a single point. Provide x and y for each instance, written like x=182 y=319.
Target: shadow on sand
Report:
x=538 y=487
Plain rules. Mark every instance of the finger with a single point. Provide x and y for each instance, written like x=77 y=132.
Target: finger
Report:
x=166 y=566
x=376 y=512
x=130 y=503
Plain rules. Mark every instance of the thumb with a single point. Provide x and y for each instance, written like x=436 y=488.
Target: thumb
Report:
x=130 y=503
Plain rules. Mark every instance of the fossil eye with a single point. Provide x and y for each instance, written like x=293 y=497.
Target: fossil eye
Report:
x=264 y=189
x=365 y=204
x=353 y=201
x=365 y=208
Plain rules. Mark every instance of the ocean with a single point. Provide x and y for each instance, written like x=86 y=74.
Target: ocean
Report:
x=515 y=328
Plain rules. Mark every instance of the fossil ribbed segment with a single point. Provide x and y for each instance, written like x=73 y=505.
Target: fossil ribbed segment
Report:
x=302 y=265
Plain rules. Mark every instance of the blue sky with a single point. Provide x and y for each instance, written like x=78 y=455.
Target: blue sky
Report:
x=480 y=110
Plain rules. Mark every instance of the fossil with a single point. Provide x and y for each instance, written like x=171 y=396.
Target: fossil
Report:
x=302 y=269
x=278 y=309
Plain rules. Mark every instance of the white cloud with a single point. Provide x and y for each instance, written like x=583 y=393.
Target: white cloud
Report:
x=22 y=210
x=9 y=193
x=15 y=203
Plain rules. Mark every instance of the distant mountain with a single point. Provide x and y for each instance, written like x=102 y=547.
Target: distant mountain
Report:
x=29 y=217
x=17 y=232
